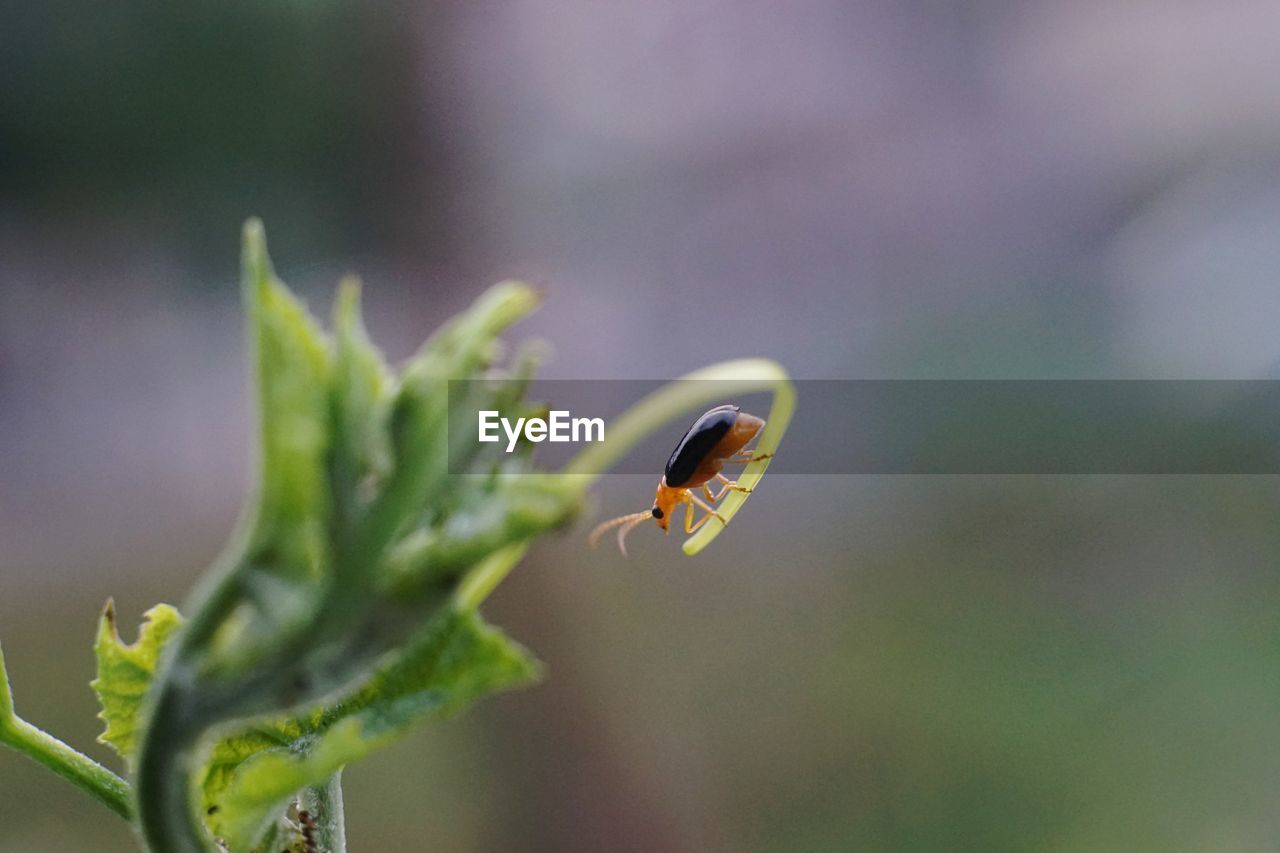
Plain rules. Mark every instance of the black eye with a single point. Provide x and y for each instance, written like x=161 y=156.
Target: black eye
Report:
x=657 y=512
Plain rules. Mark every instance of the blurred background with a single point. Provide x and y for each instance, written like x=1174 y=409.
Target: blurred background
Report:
x=858 y=190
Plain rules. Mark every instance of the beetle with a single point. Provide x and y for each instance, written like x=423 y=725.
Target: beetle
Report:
x=715 y=439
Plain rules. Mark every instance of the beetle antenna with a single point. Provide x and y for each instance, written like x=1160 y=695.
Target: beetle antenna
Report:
x=630 y=520
x=639 y=519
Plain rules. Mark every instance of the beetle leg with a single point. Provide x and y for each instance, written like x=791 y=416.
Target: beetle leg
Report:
x=745 y=456
x=690 y=527
x=711 y=512
x=688 y=517
x=729 y=486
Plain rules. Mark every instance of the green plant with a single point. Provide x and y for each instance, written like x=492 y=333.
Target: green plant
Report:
x=344 y=610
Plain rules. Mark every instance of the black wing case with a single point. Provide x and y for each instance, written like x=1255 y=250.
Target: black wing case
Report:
x=705 y=434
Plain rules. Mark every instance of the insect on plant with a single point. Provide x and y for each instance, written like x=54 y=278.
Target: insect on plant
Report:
x=715 y=439
x=344 y=612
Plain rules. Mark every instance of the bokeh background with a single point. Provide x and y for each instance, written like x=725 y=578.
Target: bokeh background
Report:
x=859 y=190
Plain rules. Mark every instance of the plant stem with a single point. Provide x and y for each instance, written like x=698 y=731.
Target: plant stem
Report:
x=77 y=768
x=482 y=580
x=325 y=804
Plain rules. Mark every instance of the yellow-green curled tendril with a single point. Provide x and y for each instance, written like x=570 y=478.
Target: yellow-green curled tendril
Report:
x=687 y=395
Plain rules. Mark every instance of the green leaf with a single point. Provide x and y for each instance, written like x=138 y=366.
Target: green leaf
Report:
x=288 y=550
x=293 y=361
x=251 y=777
x=125 y=672
x=361 y=383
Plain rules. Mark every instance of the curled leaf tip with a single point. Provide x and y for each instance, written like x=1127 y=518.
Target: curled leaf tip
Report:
x=254 y=260
x=346 y=307
x=349 y=288
x=516 y=298
x=253 y=231
x=254 y=238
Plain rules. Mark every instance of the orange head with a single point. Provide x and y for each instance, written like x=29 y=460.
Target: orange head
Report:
x=665 y=500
